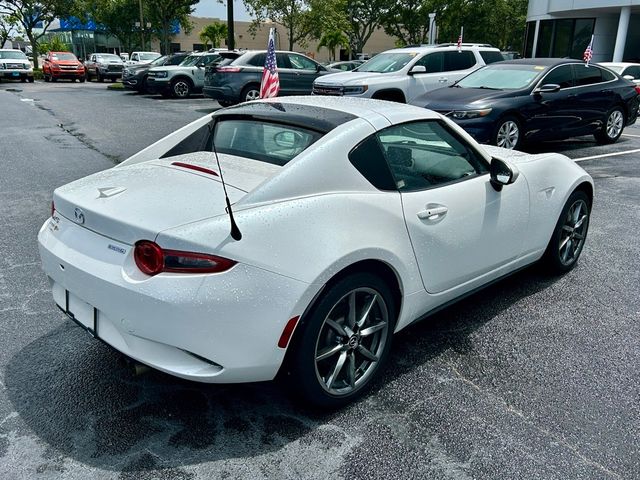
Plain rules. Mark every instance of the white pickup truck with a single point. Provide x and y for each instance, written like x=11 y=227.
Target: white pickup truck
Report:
x=138 y=58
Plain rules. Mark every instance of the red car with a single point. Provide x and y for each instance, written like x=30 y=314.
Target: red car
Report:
x=62 y=65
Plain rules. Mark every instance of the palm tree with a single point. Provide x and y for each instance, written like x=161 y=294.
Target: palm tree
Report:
x=332 y=39
x=213 y=34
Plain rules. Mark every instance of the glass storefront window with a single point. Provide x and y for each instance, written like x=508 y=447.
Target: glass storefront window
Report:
x=582 y=36
x=530 y=36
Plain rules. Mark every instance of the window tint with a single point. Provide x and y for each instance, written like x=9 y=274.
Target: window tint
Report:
x=257 y=60
x=370 y=162
x=491 y=57
x=633 y=71
x=425 y=154
x=433 y=62
x=562 y=75
x=301 y=63
x=587 y=75
x=458 y=60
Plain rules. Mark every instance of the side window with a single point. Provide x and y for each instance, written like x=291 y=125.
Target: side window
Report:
x=562 y=75
x=208 y=59
x=301 y=63
x=257 y=60
x=633 y=71
x=425 y=154
x=587 y=75
x=433 y=62
x=282 y=59
x=491 y=56
x=458 y=60
x=135 y=57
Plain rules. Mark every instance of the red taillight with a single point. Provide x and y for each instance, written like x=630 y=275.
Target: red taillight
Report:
x=228 y=69
x=195 y=167
x=637 y=88
x=152 y=259
x=148 y=257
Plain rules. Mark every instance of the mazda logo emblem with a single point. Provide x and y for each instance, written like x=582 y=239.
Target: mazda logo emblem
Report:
x=79 y=215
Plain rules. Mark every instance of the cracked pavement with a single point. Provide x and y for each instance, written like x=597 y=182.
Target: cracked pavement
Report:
x=533 y=377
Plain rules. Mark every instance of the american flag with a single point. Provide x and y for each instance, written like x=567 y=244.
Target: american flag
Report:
x=270 y=85
x=460 y=40
x=588 y=53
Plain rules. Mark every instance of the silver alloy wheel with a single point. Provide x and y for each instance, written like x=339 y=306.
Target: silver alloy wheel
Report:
x=181 y=89
x=351 y=341
x=508 y=135
x=252 y=95
x=573 y=232
x=615 y=123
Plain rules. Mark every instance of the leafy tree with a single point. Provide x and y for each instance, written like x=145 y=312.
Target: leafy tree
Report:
x=408 y=20
x=163 y=15
x=214 y=33
x=34 y=14
x=55 y=44
x=113 y=17
x=8 y=25
x=364 y=18
x=294 y=15
x=332 y=39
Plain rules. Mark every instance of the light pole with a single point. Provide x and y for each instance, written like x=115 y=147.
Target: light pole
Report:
x=141 y=26
x=230 y=37
x=432 y=28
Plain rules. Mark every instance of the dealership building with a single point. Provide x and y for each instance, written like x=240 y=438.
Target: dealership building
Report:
x=563 y=28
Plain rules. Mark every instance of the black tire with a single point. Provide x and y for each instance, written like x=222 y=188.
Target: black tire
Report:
x=23 y=80
x=143 y=85
x=99 y=77
x=507 y=133
x=567 y=241
x=390 y=96
x=45 y=78
x=612 y=128
x=225 y=103
x=181 y=88
x=54 y=79
x=32 y=79
x=318 y=381
x=73 y=80
x=81 y=79
x=249 y=93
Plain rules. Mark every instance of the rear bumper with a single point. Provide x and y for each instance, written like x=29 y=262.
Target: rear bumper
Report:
x=213 y=328
x=221 y=93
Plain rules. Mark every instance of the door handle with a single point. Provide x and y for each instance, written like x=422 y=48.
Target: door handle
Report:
x=572 y=96
x=433 y=212
x=443 y=80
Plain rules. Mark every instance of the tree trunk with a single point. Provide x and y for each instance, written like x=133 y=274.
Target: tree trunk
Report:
x=34 y=49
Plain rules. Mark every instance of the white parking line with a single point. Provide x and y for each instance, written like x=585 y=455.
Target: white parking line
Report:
x=630 y=135
x=614 y=154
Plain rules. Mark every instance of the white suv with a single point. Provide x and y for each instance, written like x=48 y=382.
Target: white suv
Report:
x=402 y=74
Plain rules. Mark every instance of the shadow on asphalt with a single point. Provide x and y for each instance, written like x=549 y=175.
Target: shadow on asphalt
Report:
x=79 y=397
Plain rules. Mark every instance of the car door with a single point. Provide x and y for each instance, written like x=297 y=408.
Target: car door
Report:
x=91 y=67
x=287 y=76
x=198 y=72
x=305 y=71
x=594 y=95
x=557 y=114
x=460 y=227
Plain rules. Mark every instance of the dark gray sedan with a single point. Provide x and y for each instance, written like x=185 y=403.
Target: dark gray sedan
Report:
x=239 y=80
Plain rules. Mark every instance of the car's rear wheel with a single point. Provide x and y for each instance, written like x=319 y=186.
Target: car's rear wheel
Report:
x=81 y=79
x=344 y=341
x=45 y=77
x=99 y=77
x=249 y=93
x=181 y=88
x=570 y=233
x=612 y=128
x=507 y=133
x=32 y=79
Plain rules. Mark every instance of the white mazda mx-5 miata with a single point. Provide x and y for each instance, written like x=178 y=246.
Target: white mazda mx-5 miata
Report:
x=296 y=235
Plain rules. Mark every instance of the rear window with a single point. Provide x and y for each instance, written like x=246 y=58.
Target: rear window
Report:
x=268 y=142
x=491 y=57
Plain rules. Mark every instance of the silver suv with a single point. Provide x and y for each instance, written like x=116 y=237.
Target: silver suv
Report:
x=402 y=74
x=182 y=80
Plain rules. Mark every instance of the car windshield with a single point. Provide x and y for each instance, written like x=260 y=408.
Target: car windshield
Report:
x=149 y=56
x=387 y=62
x=108 y=57
x=265 y=141
x=160 y=60
x=63 y=56
x=502 y=77
x=13 y=55
x=191 y=60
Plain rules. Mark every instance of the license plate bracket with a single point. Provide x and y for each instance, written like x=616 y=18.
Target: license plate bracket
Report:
x=82 y=313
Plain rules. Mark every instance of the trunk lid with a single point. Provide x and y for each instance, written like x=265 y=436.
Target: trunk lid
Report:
x=137 y=202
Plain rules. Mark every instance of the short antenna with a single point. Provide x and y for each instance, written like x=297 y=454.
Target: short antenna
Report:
x=235 y=231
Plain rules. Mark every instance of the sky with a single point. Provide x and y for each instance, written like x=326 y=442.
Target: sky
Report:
x=215 y=9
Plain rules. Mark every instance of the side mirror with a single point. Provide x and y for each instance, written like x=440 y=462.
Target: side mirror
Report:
x=418 y=69
x=502 y=173
x=631 y=78
x=547 y=88
x=319 y=68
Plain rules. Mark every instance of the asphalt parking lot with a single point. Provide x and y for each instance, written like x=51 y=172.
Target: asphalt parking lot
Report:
x=534 y=377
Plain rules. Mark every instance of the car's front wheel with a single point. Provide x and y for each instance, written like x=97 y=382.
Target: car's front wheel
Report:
x=507 y=133
x=570 y=233
x=344 y=341
x=612 y=128
x=181 y=88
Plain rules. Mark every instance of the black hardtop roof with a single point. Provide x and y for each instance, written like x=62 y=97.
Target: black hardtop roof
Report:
x=305 y=116
x=546 y=62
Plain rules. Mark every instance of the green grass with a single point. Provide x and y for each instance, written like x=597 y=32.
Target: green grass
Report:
x=115 y=86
